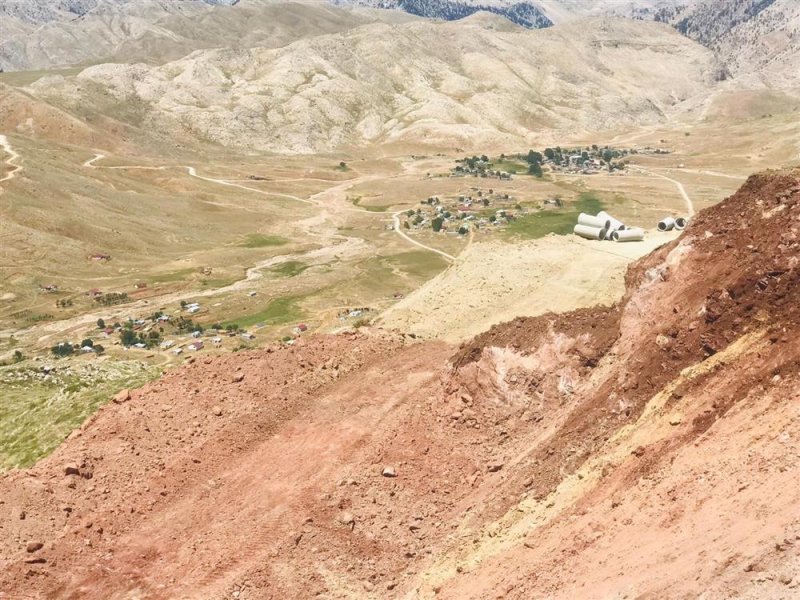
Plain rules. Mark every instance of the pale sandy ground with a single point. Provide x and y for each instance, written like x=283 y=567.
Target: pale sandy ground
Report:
x=493 y=282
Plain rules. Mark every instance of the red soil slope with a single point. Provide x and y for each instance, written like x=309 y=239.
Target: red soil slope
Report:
x=647 y=451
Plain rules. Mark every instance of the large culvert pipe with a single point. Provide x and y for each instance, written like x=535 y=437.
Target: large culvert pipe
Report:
x=592 y=221
x=590 y=233
x=666 y=224
x=628 y=235
x=615 y=223
x=681 y=223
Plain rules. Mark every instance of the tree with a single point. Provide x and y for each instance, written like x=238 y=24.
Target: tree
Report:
x=18 y=357
x=128 y=337
x=99 y=349
x=492 y=219
x=437 y=223
x=406 y=225
x=607 y=155
x=534 y=157
x=183 y=303
x=342 y=165
x=463 y=230
x=535 y=169
x=87 y=342
x=63 y=349
x=101 y=324
x=549 y=153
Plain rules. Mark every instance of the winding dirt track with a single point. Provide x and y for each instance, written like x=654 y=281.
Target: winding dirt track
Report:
x=347 y=185
x=678 y=184
x=13 y=157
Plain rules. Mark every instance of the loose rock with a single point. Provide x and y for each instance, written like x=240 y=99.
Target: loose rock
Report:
x=34 y=547
x=122 y=397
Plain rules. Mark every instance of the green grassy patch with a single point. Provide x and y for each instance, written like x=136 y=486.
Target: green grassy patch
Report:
x=290 y=268
x=418 y=263
x=38 y=413
x=510 y=166
x=261 y=240
x=560 y=222
x=278 y=312
x=356 y=200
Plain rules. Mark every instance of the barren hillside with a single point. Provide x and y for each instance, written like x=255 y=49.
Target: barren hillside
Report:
x=478 y=81
x=645 y=450
x=44 y=35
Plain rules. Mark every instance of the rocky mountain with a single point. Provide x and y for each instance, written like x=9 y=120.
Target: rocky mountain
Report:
x=527 y=14
x=42 y=35
x=46 y=11
x=756 y=39
x=481 y=80
x=648 y=450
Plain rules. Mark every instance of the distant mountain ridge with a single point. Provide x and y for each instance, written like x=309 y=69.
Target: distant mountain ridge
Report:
x=526 y=14
x=45 y=11
x=755 y=38
x=480 y=81
x=38 y=34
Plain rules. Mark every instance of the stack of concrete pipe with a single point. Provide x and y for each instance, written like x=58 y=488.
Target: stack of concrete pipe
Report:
x=670 y=223
x=605 y=227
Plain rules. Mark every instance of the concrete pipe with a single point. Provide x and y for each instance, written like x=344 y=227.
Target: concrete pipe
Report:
x=666 y=224
x=615 y=223
x=628 y=235
x=592 y=221
x=590 y=233
x=681 y=223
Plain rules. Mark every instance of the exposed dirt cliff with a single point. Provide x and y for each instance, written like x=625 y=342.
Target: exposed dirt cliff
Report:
x=648 y=450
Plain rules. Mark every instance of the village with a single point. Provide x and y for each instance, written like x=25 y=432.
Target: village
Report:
x=473 y=209
x=180 y=332
x=587 y=160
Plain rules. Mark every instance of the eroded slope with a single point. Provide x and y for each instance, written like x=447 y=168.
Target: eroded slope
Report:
x=647 y=450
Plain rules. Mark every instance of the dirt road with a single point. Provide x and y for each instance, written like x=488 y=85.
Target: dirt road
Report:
x=335 y=194
x=678 y=184
x=12 y=158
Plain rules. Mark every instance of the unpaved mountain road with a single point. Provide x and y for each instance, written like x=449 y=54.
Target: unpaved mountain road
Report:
x=332 y=245
x=13 y=157
x=678 y=185
x=316 y=199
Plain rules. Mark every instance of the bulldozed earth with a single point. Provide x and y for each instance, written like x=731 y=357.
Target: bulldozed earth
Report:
x=646 y=450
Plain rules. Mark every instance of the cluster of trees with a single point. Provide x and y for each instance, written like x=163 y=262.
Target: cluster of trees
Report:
x=560 y=156
x=184 y=325
x=112 y=298
x=63 y=303
x=534 y=160
x=128 y=336
x=64 y=349
x=230 y=327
